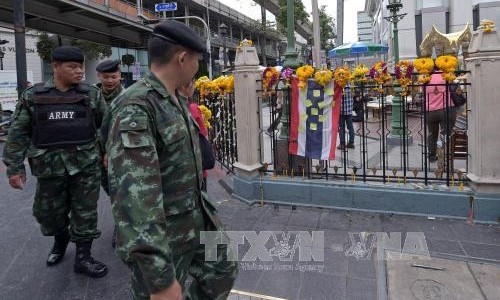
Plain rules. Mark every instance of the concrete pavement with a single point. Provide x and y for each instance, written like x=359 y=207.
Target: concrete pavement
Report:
x=346 y=272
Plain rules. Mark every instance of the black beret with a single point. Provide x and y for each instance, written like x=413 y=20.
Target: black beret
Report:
x=68 y=53
x=179 y=33
x=108 y=66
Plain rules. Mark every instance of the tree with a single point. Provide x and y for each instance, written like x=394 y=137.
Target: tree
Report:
x=93 y=50
x=328 y=30
x=300 y=14
x=46 y=45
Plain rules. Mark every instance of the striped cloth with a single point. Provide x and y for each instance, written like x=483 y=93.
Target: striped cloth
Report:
x=314 y=120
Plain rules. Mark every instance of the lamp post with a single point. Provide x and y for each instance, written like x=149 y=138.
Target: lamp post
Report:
x=223 y=31
x=2 y=54
x=397 y=121
x=290 y=54
x=291 y=61
x=1 y=59
x=278 y=49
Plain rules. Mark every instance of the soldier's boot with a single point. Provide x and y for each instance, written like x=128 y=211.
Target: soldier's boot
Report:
x=86 y=264
x=61 y=242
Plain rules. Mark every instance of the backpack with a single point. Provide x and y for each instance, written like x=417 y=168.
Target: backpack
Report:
x=458 y=99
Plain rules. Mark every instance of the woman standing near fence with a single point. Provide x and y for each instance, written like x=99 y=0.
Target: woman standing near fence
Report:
x=440 y=113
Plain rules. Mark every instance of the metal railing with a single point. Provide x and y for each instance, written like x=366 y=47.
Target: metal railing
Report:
x=377 y=154
x=222 y=133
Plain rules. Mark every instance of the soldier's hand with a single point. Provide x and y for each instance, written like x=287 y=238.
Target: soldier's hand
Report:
x=173 y=292
x=17 y=181
x=105 y=161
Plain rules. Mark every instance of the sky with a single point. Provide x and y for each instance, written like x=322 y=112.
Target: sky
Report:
x=350 y=17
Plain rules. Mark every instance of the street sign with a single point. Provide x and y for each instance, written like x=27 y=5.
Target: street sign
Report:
x=169 y=6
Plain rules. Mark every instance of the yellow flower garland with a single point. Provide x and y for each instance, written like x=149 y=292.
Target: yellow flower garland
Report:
x=323 y=77
x=342 y=75
x=448 y=64
x=223 y=84
x=487 y=26
x=380 y=75
x=270 y=78
x=304 y=73
x=359 y=74
x=201 y=85
x=207 y=115
x=247 y=43
x=424 y=66
x=404 y=72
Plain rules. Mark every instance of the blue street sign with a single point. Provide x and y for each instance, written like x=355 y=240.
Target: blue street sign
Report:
x=170 y=6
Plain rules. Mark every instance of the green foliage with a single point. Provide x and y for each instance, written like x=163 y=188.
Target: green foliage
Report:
x=128 y=59
x=300 y=14
x=327 y=27
x=45 y=46
x=93 y=50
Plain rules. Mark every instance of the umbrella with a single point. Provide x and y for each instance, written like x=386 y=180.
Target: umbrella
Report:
x=355 y=49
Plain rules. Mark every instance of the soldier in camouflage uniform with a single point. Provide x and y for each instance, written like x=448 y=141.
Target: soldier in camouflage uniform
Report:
x=110 y=76
x=155 y=177
x=55 y=126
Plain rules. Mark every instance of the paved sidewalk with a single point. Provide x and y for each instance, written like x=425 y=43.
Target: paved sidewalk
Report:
x=341 y=275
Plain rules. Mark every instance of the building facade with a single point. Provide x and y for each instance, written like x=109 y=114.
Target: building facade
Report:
x=365 y=30
x=447 y=15
x=8 y=62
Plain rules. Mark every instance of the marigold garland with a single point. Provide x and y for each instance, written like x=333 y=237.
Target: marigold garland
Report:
x=380 y=75
x=342 y=75
x=246 y=43
x=404 y=71
x=202 y=85
x=270 y=77
x=304 y=73
x=448 y=64
x=487 y=26
x=323 y=77
x=424 y=66
x=207 y=115
x=223 y=84
x=359 y=74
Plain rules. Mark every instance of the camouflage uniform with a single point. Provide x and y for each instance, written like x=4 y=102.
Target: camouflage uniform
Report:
x=109 y=97
x=154 y=171
x=67 y=177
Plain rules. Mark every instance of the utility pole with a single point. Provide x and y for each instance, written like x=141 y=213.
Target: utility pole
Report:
x=263 y=42
x=339 y=41
x=20 y=38
x=316 y=35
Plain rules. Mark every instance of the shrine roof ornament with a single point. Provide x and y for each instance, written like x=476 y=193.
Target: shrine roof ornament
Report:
x=444 y=43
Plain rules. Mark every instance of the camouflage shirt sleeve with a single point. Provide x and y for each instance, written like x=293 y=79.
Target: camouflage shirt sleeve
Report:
x=100 y=106
x=100 y=111
x=18 y=139
x=137 y=198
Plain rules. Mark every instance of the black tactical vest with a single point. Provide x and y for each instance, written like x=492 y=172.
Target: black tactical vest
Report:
x=62 y=119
